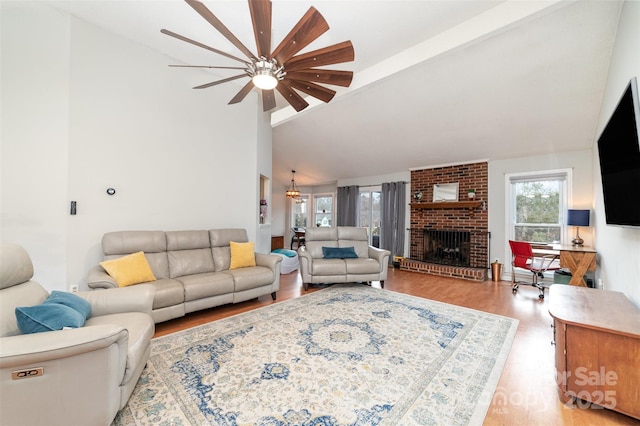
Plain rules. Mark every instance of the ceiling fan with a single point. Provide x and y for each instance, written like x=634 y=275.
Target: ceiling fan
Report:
x=280 y=69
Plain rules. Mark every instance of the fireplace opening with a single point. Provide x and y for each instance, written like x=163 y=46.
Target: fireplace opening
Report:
x=447 y=247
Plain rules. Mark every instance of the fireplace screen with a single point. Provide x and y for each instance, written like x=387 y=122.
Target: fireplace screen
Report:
x=447 y=247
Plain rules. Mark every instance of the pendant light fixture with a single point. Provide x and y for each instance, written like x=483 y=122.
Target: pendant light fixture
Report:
x=292 y=190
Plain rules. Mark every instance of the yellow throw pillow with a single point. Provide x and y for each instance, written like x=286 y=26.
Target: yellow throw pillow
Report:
x=242 y=255
x=130 y=269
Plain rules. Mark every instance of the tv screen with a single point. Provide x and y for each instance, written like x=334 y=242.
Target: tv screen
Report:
x=619 y=150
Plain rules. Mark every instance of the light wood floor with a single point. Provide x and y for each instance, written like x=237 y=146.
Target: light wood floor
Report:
x=526 y=393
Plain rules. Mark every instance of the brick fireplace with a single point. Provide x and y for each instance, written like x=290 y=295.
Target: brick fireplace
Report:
x=450 y=238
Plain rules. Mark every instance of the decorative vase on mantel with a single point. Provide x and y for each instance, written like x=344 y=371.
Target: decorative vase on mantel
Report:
x=472 y=194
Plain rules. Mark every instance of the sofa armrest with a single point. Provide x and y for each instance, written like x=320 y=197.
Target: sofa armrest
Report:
x=268 y=260
x=136 y=298
x=98 y=278
x=382 y=256
x=30 y=349
x=304 y=253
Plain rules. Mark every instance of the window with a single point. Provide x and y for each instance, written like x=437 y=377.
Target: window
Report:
x=370 y=215
x=537 y=205
x=300 y=212
x=323 y=208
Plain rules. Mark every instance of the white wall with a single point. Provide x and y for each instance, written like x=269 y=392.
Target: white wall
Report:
x=35 y=134
x=618 y=248
x=263 y=150
x=85 y=110
x=581 y=193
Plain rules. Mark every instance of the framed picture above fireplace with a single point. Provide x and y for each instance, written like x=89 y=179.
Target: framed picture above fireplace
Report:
x=445 y=192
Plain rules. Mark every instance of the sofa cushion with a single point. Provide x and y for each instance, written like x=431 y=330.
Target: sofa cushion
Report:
x=47 y=317
x=220 y=240
x=321 y=234
x=242 y=255
x=125 y=242
x=314 y=248
x=339 y=253
x=355 y=237
x=329 y=267
x=168 y=293
x=152 y=243
x=189 y=262
x=26 y=294
x=130 y=269
x=362 y=266
x=71 y=300
x=187 y=240
x=200 y=286
x=249 y=278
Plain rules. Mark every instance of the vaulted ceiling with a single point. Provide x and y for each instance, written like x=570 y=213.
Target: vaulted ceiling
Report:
x=436 y=82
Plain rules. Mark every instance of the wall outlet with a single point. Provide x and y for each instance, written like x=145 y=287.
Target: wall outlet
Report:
x=74 y=289
x=600 y=283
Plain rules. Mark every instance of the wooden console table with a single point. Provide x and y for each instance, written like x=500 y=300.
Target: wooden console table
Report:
x=597 y=338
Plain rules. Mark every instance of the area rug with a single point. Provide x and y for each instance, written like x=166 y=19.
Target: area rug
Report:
x=345 y=355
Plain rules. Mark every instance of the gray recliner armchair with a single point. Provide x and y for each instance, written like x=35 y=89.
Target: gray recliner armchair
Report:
x=77 y=376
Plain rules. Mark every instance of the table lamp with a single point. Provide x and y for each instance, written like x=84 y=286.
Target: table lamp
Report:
x=578 y=218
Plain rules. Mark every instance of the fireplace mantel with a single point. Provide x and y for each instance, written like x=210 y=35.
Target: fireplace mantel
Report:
x=448 y=205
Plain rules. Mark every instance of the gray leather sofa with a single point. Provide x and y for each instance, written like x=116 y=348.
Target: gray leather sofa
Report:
x=191 y=268
x=77 y=376
x=371 y=263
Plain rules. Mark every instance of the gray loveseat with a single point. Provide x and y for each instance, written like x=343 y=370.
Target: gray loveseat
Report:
x=371 y=264
x=191 y=269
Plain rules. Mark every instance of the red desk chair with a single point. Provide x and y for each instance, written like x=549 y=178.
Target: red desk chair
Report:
x=523 y=257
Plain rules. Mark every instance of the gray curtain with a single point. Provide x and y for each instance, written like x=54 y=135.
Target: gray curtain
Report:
x=393 y=200
x=348 y=205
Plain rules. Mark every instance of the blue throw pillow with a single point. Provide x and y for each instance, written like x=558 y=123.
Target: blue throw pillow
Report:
x=47 y=317
x=339 y=253
x=71 y=300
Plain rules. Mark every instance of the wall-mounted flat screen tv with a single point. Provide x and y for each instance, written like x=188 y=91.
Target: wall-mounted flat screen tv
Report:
x=619 y=150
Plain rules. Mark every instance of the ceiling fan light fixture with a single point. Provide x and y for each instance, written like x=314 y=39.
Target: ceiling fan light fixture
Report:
x=292 y=190
x=265 y=74
x=265 y=81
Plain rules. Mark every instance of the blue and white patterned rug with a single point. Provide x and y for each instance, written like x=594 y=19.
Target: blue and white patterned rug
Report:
x=346 y=355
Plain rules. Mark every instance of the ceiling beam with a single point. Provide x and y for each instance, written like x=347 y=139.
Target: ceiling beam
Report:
x=487 y=24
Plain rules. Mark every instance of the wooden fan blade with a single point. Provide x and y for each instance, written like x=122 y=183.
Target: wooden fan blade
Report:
x=334 y=54
x=311 y=26
x=207 y=66
x=261 y=18
x=291 y=96
x=242 y=93
x=204 y=46
x=315 y=90
x=224 y=80
x=336 y=78
x=268 y=100
x=218 y=25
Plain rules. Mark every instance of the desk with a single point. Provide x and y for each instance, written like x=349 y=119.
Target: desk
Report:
x=576 y=259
